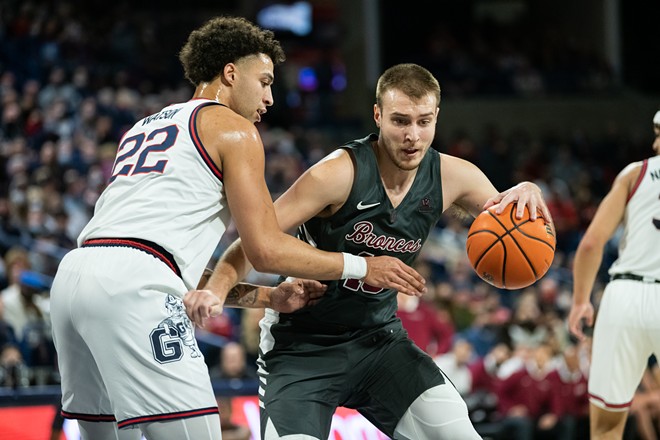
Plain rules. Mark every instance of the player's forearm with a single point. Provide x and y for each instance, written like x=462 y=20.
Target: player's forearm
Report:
x=234 y=264
x=248 y=296
x=284 y=254
x=585 y=268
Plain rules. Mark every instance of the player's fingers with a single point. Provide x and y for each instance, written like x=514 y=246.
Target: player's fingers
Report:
x=534 y=210
x=545 y=213
x=411 y=275
x=520 y=210
x=408 y=281
x=313 y=284
x=493 y=201
x=499 y=208
x=589 y=320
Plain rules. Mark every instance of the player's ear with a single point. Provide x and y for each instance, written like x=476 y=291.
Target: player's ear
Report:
x=229 y=73
x=377 y=115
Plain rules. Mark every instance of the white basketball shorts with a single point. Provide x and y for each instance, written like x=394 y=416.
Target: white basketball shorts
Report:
x=126 y=348
x=626 y=333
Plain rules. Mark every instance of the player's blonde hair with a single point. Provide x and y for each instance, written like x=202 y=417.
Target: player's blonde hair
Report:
x=411 y=79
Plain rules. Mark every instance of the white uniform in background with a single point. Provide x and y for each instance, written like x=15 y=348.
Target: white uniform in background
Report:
x=627 y=328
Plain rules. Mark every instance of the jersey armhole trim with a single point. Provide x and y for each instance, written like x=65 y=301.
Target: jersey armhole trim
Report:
x=194 y=135
x=642 y=172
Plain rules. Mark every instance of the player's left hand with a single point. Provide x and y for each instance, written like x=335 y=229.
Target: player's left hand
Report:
x=580 y=314
x=201 y=305
x=524 y=194
x=293 y=295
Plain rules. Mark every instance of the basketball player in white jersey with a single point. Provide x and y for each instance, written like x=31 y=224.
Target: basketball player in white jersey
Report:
x=627 y=329
x=125 y=345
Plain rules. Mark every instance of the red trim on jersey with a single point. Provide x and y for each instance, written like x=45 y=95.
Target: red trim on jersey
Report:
x=645 y=165
x=610 y=405
x=142 y=245
x=192 y=127
x=88 y=417
x=172 y=416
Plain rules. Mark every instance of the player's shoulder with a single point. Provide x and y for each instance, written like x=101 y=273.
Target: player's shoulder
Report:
x=338 y=157
x=455 y=165
x=221 y=124
x=631 y=171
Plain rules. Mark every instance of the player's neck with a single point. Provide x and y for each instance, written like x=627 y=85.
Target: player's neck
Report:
x=211 y=90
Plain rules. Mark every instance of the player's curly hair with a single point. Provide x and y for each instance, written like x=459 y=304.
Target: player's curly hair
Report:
x=412 y=79
x=223 y=40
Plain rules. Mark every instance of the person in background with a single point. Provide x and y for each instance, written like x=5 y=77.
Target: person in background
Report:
x=232 y=365
x=424 y=324
x=569 y=384
x=626 y=330
x=230 y=430
x=456 y=365
x=525 y=399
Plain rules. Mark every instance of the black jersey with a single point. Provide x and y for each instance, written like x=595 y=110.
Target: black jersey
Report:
x=367 y=224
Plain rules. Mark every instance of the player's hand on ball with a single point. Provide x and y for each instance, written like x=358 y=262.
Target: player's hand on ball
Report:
x=201 y=305
x=290 y=296
x=525 y=194
x=391 y=273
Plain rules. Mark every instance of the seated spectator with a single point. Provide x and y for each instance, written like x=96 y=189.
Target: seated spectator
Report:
x=570 y=392
x=230 y=430
x=233 y=366
x=525 y=400
x=645 y=406
x=527 y=326
x=26 y=310
x=455 y=364
x=482 y=399
x=13 y=371
x=424 y=324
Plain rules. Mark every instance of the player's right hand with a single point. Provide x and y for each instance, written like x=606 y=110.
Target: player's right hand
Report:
x=293 y=295
x=391 y=273
x=578 y=314
x=202 y=305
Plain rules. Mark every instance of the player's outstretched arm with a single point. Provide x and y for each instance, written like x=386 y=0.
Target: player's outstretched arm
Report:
x=287 y=297
x=272 y=251
x=589 y=254
x=466 y=185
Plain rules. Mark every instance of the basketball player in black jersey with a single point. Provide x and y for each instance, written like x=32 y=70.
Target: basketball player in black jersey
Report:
x=379 y=195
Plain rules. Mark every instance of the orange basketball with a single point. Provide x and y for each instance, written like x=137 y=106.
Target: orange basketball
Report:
x=507 y=252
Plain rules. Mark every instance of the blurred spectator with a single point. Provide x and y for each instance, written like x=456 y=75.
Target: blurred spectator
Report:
x=424 y=324
x=482 y=399
x=26 y=310
x=12 y=232
x=527 y=327
x=564 y=215
x=569 y=383
x=13 y=371
x=232 y=366
x=455 y=364
x=250 y=333
x=645 y=406
x=230 y=430
x=525 y=400
x=487 y=327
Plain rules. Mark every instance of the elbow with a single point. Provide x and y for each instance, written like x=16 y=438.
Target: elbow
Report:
x=264 y=260
x=591 y=243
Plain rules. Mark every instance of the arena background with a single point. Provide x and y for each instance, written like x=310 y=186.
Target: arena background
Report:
x=562 y=80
